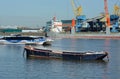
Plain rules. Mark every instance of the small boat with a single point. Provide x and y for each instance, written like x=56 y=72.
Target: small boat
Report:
x=18 y=39
x=67 y=55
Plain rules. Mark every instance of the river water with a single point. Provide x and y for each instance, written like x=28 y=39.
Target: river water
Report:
x=13 y=65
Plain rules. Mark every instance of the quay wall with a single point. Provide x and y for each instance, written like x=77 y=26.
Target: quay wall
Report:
x=88 y=35
x=68 y=35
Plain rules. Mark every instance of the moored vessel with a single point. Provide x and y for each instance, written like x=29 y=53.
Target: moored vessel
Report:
x=18 y=39
x=67 y=55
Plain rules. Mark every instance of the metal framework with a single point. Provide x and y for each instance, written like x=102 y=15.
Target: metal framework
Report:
x=116 y=10
x=107 y=13
x=76 y=8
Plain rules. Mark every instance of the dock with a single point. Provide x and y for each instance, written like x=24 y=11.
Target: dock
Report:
x=88 y=35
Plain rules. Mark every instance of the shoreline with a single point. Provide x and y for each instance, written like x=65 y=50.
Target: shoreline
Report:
x=81 y=35
x=88 y=36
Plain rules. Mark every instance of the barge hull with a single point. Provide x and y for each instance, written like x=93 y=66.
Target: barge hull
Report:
x=32 y=52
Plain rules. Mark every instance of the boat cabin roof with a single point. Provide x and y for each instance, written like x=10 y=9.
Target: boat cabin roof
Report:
x=21 y=38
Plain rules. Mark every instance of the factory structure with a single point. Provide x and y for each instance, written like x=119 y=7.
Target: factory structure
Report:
x=96 y=24
x=82 y=24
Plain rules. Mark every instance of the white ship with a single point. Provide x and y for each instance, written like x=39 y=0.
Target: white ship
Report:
x=56 y=26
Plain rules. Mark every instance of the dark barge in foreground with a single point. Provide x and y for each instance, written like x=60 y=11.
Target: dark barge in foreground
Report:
x=67 y=55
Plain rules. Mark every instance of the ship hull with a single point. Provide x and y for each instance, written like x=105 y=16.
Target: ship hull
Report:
x=25 y=40
x=47 y=53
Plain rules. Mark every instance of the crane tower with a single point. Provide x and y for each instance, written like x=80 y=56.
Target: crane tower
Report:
x=107 y=17
x=77 y=9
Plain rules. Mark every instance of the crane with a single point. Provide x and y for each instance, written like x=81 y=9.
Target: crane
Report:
x=77 y=9
x=115 y=17
x=107 y=17
x=107 y=13
x=112 y=19
x=116 y=7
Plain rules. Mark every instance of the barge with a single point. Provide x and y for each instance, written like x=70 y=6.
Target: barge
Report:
x=65 y=55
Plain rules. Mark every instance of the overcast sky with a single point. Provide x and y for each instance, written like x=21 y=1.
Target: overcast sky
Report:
x=37 y=12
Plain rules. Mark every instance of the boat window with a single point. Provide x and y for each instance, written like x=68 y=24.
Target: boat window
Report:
x=18 y=38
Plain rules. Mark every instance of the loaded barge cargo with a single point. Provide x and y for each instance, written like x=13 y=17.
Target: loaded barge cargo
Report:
x=65 y=55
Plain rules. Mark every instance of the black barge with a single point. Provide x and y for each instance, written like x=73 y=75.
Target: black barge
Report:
x=67 y=55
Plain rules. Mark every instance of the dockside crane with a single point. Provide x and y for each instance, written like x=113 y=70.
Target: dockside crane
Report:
x=107 y=17
x=114 y=18
x=81 y=18
x=77 y=9
x=107 y=13
x=116 y=8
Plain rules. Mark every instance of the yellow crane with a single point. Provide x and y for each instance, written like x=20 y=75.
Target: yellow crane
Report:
x=117 y=8
x=76 y=8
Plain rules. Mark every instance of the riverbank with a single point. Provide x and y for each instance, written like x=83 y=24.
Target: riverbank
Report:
x=82 y=35
x=87 y=35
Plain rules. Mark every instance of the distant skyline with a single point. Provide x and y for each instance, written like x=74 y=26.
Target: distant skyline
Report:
x=37 y=12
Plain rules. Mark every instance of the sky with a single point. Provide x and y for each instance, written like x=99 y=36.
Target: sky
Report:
x=37 y=12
